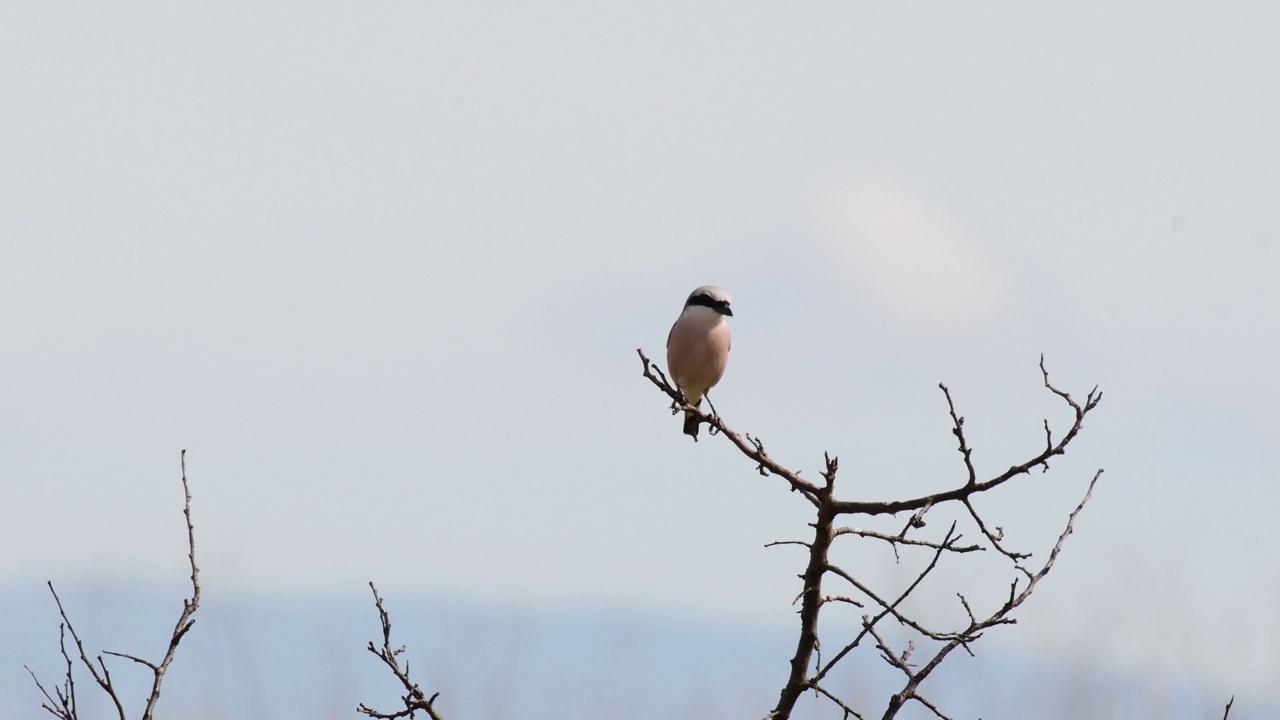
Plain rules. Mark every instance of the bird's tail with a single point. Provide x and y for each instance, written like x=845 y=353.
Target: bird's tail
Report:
x=691 y=423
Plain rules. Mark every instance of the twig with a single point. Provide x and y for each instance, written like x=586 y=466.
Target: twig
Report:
x=920 y=699
x=189 y=605
x=957 y=429
x=971 y=488
x=999 y=617
x=848 y=711
x=65 y=705
x=414 y=699
x=900 y=540
x=828 y=508
x=994 y=537
x=751 y=447
x=888 y=609
x=98 y=672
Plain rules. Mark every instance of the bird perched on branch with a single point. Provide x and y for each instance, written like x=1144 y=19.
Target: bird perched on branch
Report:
x=698 y=348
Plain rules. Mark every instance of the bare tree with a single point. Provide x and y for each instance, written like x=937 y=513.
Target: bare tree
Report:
x=885 y=611
x=62 y=702
x=927 y=646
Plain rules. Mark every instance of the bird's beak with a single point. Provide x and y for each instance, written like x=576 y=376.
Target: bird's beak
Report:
x=727 y=311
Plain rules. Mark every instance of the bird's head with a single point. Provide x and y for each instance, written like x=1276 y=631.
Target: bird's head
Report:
x=712 y=297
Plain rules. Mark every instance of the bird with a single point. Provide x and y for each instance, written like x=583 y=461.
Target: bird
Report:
x=698 y=347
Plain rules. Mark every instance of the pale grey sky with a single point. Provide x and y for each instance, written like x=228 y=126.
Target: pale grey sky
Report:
x=381 y=269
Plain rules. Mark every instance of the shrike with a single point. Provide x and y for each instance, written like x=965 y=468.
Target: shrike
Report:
x=698 y=347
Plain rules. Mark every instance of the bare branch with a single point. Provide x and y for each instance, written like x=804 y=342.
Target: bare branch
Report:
x=920 y=699
x=102 y=678
x=999 y=617
x=751 y=447
x=968 y=610
x=754 y=449
x=970 y=488
x=994 y=537
x=900 y=540
x=134 y=658
x=414 y=698
x=57 y=708
x=828 y=508
x=885 y=652
x=189 y=606
x=957 y=429
x=848 y=711
x=65 y=705
x=775 y=543
x=888 y=609
x=1062 y=538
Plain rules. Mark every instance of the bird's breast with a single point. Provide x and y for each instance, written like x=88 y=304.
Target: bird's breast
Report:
x=697 y=353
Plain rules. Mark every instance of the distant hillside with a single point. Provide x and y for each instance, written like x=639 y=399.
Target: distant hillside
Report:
x=278 y=658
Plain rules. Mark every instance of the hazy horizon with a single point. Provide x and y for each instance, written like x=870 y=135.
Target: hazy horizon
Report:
x=301 y=655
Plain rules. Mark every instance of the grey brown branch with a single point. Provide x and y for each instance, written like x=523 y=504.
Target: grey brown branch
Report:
x=63 y=704
x=414 y=698
x=918 y=657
